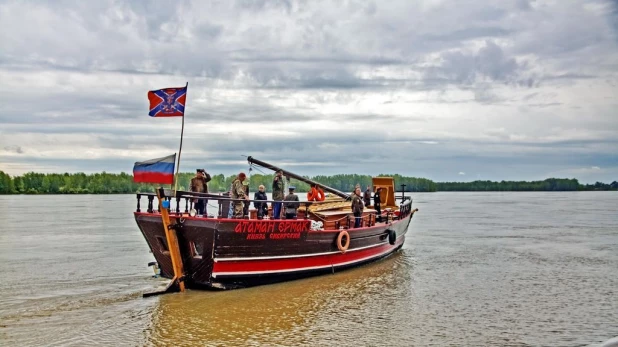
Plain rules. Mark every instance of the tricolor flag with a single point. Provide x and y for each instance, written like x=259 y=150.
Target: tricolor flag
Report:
x=168 y=102
x=160 y=170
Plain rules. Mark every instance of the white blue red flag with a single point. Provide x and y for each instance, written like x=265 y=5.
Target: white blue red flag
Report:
x=168 y=102
x=160 y=170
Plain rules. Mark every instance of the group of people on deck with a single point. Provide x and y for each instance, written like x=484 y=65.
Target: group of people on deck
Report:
x=290 y=202
x=359 y=203
x=240 y=191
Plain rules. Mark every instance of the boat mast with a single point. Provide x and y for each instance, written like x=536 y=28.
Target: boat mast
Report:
x=298 y=177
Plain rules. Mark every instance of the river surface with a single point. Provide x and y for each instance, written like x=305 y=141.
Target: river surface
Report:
x=477 y=269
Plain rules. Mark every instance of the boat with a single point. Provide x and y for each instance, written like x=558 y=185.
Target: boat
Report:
x=217 y=252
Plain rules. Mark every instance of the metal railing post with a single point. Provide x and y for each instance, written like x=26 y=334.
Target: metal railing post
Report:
x=139 y=196
x=150 y=199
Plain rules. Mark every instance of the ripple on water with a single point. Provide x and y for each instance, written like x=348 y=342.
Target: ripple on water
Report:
x=536 y=269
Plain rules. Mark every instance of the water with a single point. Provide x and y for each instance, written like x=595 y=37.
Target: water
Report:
x=477 y=269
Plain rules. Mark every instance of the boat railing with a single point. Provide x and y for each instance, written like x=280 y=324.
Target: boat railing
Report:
x=405 y=207
x=188 y=198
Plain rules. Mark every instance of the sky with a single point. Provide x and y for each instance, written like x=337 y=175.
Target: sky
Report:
x=446 y=90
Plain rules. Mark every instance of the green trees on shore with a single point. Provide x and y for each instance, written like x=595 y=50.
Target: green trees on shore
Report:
x=108 y=183
x=547 y=185
x=550 y=184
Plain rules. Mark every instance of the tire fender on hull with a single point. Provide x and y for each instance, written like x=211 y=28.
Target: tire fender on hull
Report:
x=392 y=236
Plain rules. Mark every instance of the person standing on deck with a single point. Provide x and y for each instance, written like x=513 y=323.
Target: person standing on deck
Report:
x=277 y=194
x=367 y=197
x=262 y=207
x=199 y=184
x=291 y=204
x=357 y=207
x=230 y=210
x=376 y=204
x=245 y=210
x=238 y=192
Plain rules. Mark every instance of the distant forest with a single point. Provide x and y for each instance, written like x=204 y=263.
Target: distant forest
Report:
x=108 y=183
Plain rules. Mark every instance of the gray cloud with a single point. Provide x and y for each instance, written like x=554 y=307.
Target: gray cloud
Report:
x=489 y=62
x=499 y=90
x=469 y=34
x=14 y=149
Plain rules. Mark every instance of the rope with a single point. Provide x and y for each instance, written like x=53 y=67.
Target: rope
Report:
x=255 y=167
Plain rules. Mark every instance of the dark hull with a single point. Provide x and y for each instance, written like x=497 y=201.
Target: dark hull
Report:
x=232 y=253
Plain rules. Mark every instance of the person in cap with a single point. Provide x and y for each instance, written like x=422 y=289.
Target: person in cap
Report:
x=199 y=184
x=238 y=193
x=262 y=207
x=277 y=193
x=291 y=204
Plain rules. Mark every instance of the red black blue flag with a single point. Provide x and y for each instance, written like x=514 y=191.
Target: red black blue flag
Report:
x=168 y=102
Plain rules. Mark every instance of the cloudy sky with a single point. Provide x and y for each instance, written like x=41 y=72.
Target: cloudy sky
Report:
x=447 y=90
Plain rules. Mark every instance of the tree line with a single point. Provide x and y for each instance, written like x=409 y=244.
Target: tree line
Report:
x=550 y=184
x=111 y=183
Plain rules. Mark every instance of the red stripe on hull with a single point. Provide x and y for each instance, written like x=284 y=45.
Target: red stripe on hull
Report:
x=270 y=266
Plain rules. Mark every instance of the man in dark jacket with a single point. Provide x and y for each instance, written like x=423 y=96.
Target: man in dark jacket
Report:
x=262 y=207
x=376 y=204
x=367 y=197
x=199 y=184
x=291 y=204
x=357 y=207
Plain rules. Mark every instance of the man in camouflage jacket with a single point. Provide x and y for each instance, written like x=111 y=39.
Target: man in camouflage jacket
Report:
x=199 y=184
x=238 y=192
x=278 y=194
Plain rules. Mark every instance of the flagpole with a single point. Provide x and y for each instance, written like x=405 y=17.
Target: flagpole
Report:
x=182 y=130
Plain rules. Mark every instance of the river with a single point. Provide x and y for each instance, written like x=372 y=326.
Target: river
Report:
x=477 y=269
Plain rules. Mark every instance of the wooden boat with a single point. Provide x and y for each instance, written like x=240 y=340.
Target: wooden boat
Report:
x=225 y=253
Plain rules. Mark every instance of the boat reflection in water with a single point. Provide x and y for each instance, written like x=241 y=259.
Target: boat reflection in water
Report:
x=332 y=308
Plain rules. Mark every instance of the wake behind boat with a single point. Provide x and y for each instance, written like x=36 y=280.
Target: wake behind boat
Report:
x=218 y=252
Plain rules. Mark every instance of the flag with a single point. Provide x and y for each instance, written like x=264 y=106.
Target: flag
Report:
x=168 y=102
x=160 y=170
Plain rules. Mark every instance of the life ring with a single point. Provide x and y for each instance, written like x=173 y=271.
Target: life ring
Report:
x=343 y=247
x=320 y=194
x=312 y=194
x=315 y=194
x=392 y=236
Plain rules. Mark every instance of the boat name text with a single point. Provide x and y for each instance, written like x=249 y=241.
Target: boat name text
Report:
x=272 y=229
